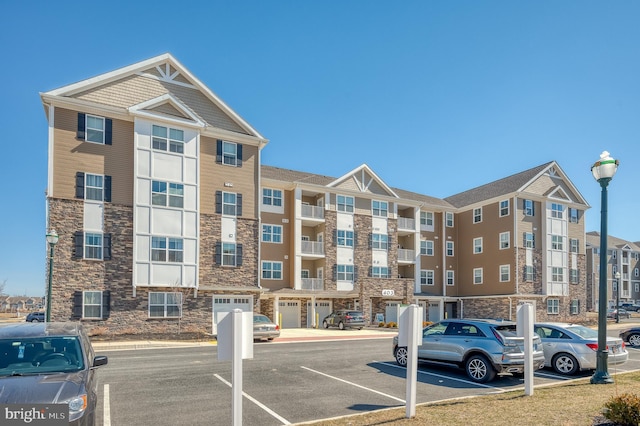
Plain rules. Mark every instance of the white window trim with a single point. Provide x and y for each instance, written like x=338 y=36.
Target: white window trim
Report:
x=451 y=273
x=476 y=240
x=500 y=208
x=86 y=246
x=508 y=235
x=165 y=304
x=477 y=216
x=272 y=233
x=481 y=276
x=345 y=204
x=86 y=128
x=453 y=252
x=84 y=304
x=553 y=308
x=271 y=270
x=502 y=280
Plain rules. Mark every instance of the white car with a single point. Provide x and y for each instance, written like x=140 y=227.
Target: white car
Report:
x=569 y=348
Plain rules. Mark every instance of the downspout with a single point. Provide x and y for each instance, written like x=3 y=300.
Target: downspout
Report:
x=259 y=198
x=515 y=243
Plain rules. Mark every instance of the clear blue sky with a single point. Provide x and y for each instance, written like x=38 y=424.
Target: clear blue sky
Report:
x=436 y=96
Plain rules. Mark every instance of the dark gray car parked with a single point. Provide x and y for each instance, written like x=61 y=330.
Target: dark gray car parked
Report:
x=344 y=319
x=49 y=363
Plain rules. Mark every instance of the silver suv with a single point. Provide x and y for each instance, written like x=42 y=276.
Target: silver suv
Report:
x=482 y=347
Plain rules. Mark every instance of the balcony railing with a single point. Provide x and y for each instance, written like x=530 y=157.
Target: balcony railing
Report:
x=313 y=212
x=312 y=284
x=312 y=247
x=406 y=223
x=405 y=255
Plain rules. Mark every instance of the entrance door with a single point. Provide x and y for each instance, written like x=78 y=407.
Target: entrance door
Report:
x=323 y=309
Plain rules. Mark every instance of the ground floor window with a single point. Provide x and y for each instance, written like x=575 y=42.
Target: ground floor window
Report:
x=92 y=304
x=165 y=305
x=553 y=306
x=575 y=307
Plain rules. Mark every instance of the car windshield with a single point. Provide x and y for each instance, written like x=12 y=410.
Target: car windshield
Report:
x=507 y=330
x=260 y=318
x=584 y=332
x=40 y=355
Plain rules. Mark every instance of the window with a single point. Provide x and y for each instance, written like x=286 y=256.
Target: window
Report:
x=304 y=274
x=504 y=208
x=553 y=306
x=477 y=275
x=573 y=276
x=426 y=218
x=229 y=153
x=557 y=210
x=505 y=273
x=380 y=208
x=379 y=241
x=426 y=277
x=344 y=238
x=92 y=304
x=529 y=241
x=614 y=254
x=574 y=245
x=165 y=138
x=272 y=234
x=557 y=274
x=450 y=275
x=477 y=245
x=505 y=238
x=614 y=268
x=94 y=129
x=636 y=287
x=380 y=272
x=165 y=305
x=636 y=272
x=344 y=272
x=575 y=307
x=448 y=219
x=165 y=249
x=449 y=248
x=230 y=254
x=160 y=196
x=426 y=247
x=229 y=203
x=271 y=197
x=477 y=215
x=345 y=204
x=93 y=187
x=556 y=242
x=529 y=273
x=528 y=208
x=573 y=215
x=271 y=270
x=92 y=246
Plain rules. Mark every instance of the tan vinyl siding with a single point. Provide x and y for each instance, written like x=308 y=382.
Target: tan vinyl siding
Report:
x=72 y=155
x=244 y=180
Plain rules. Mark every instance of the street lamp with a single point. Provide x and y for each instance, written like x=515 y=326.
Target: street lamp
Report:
x=617 y=277
x=52 y=239
x=603 y=171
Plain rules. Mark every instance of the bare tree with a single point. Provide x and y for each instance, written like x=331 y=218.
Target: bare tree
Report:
x=184 y=292
x=3 y=285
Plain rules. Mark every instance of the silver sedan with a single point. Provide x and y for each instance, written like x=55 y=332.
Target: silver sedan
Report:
x=569 y=348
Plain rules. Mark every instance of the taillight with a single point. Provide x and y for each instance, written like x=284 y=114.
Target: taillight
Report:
x=498 y=336
x=594 y=346
x=348 y=317
x=277 y=327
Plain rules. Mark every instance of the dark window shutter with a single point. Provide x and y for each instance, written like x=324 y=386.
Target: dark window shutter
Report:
x=388 y=242
x=218 y=254
x=238 y=254
x=77 y=304
x=106 y=304
x=78 y=240
x=370 y=240
x=388 y=272
x=355 y=273
x=370 y=270
x=107 y=131
x=335 y=272
x=238 y=205
x=80 y=185
x=335 y=237
x=81 y=126
x=106 y=247
x=239 y=154
x=355 y=239
x=219 y=151
x=219 y=202
x=107 y=189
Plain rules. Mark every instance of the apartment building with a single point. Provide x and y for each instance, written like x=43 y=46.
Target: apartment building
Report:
x=623 y=257
x=166 y=216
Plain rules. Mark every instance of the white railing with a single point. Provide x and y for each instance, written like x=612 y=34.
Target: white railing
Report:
x=312 y=247
x=406 y=223
x=406 y=255
x=312 y=284
x=313 y=212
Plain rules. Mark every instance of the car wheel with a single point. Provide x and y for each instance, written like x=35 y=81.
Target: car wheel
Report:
x=341 y=325
x=35 y=320
x=634 y=339
x=565 y=364
x=325 y=324
x=401 y=356
x=479 y=369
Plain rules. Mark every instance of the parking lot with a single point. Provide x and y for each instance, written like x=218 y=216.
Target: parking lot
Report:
x=284 y=383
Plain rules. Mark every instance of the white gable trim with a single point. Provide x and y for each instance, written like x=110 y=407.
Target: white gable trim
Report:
x=141 y=110
x=556 y=173
x=362 y=185
x=560 y=194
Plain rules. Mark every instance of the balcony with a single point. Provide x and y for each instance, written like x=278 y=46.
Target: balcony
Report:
x=313 y=284
x=311 y=215
x=406 y=225
x=312 y=249
x=406 y=256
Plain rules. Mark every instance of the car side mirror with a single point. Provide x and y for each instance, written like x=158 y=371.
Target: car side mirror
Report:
x=99 y=360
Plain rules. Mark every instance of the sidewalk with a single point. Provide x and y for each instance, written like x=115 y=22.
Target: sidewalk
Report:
x=286 y=336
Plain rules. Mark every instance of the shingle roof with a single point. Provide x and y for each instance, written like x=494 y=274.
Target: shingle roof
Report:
x=593 y=239
x=497 y=188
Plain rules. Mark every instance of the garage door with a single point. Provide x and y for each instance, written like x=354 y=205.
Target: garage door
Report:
x=323 y=308
x=290 y=313
x=225 y=303
x=391 y=312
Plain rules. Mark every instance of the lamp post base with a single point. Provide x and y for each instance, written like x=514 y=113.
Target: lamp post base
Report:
x=601 y=378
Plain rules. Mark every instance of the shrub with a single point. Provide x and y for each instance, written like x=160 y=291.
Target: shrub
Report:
x=392 y=324
x=381 y=324
x=426 y=323
x=623 y=409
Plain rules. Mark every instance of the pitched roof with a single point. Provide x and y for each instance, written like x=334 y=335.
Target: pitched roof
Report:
x=593 y=239
x=504 y=186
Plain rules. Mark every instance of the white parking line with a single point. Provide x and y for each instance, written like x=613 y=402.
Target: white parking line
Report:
x=259 y=404
x=353 y=384
x=106 y=421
